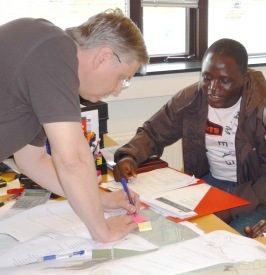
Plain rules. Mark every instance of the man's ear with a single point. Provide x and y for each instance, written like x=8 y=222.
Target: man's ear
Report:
x=103 y=56
x=264 y=117
x=245 y=77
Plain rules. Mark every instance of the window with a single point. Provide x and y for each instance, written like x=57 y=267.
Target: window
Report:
x=205 y=22
x=63 y=13
x=243 y=20
x=174 y=30
x=171 y=28
x=168 y=23
x=162 y=28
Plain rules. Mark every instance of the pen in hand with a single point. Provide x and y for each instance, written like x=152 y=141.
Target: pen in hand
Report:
x=124 y=183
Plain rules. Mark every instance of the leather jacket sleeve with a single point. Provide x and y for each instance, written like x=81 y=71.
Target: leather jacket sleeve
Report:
x=251 y=147
x=164 y=128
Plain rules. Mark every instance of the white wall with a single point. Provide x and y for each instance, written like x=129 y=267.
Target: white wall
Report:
x=143 y=98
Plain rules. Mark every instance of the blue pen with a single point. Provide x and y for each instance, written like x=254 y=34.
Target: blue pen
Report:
x=124 y=183
x=62 y=256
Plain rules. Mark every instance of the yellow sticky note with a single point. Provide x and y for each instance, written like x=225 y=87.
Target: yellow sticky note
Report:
x=145 y=226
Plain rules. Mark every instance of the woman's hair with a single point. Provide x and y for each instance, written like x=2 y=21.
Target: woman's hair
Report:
x=112 y=29
x=231 y=48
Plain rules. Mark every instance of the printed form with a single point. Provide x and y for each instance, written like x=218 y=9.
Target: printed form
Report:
x=218 y=247
x=54 y=228
x=154 y=182
x=178 y=203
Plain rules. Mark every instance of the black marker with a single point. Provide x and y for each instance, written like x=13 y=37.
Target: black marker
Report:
x=2 y=183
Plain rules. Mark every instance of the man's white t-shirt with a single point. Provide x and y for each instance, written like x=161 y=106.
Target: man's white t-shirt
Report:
x=220 y=141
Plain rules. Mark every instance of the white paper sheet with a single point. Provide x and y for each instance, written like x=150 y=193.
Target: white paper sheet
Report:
x=208 y=250
x=11 y=163
x=178 y=203
x=108 y=154
x=154 y=182
x=54 y=243
x=54 y=217
x=218 y=247
x=54 y=228
x=51 y=217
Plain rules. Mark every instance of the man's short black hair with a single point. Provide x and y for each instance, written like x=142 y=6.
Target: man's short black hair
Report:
x=231 y=48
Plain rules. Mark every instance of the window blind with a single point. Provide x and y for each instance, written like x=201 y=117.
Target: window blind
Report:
x=170 y=3
x=64 y=13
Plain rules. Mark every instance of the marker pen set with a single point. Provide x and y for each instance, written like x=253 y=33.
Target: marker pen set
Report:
x=93 y=142
x=89 y=134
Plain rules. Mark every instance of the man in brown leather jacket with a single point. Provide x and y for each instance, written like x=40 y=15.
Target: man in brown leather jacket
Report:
x=219 y=121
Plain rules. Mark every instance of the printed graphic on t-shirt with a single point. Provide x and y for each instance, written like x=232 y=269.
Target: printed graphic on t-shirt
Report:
x=220 y=142
x=213 y=128
x=231 y=129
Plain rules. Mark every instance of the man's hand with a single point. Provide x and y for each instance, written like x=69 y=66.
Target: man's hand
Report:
x=125 y=168
x=120 y=226
x=118 y=200
x=257 y=230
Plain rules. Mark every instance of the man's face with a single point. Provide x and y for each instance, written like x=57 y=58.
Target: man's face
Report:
x=221 y=80
x=99 y=80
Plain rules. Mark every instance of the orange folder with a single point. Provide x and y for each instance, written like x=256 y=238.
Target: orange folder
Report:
x=214 y=201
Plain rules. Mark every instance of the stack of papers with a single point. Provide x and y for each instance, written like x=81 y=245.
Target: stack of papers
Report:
x=108 y=153
x=54 y=228
x=215 y=248
x=170 y=193
x=162 y=189
x=154 y=182
x=179 y=203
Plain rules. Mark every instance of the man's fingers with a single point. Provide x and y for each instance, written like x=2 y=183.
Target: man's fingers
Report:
x=120 y=226
x=248 y=230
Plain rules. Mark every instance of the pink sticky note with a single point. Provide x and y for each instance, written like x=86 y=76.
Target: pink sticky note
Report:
x=137 y=218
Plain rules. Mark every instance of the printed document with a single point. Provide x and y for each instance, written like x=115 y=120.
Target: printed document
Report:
x=218 y=247
x=58 y=244
x=54 y=228
x=154 y=182
x=178 y=203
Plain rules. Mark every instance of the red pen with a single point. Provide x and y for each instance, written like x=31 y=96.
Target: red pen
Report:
x=14 y=197
x=15 y=190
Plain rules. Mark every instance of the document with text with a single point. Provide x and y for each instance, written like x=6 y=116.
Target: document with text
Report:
x=179 y=203
x=218 y=247
x=154 y=182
